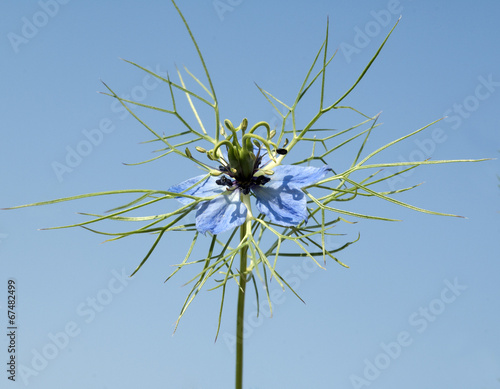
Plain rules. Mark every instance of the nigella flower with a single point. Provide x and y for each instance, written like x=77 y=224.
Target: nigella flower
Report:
x=278 y=191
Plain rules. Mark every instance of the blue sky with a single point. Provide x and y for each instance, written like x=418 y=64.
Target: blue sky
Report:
x=418 y=307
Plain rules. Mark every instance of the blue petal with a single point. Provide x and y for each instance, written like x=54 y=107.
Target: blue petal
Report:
x=284 y=205
x=299 y=176
x=206 y=188
x=281 y=199
x=221 y=214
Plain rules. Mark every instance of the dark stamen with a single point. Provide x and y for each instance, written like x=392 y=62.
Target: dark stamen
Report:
x=224 y=181
x=237 y=180
x=262 y=180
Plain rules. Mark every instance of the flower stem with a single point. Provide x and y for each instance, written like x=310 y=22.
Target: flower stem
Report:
x=241 y=310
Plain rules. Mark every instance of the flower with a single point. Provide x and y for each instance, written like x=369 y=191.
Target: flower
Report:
x=278 y=196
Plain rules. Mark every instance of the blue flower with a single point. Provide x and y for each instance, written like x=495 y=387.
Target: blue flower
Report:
x=278 y=196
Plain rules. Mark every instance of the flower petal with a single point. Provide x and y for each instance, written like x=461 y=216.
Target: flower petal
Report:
x=221 y=214
x=205 y=188
x=285 y=205
x=299 y=176
x=281 y=199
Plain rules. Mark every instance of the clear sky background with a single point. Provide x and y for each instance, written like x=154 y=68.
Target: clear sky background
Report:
x=428 y=282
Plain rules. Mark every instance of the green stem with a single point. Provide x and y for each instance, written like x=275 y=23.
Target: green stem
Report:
x=241 y=310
